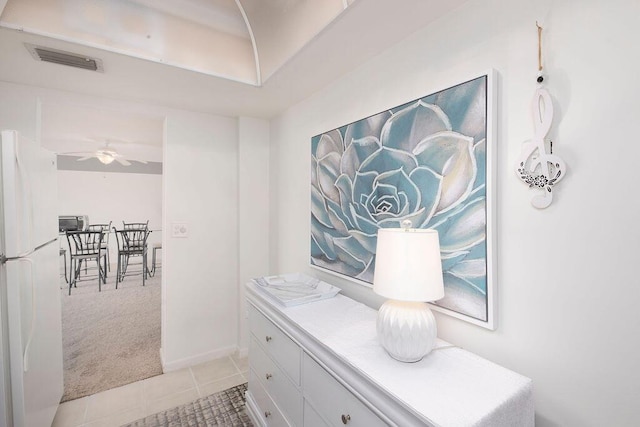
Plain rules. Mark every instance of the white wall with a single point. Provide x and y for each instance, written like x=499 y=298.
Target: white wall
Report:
x=253 y=211
x=567 y=286
x=115 y=197
x=19 y=111
x=200 y=271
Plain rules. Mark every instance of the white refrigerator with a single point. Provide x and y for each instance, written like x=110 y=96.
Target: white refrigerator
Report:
x=31 y=334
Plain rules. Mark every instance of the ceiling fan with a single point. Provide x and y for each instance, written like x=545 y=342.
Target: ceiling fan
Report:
x=106 y=155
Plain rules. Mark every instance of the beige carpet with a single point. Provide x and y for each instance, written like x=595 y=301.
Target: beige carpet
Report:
x=110 y=338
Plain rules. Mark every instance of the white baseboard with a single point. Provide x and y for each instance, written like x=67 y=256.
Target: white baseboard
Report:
x=242 y=352
x=174 y=365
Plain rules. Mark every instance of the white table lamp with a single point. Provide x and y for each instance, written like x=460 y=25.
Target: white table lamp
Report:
x=409 y=272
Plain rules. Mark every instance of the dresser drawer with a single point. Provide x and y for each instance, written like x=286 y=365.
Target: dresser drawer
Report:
x=270 y=414
x=312 y=418
x=276 y=383
x=334 y=403
x=276 y=344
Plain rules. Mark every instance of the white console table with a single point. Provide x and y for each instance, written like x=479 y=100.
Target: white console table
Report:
x=320 y=364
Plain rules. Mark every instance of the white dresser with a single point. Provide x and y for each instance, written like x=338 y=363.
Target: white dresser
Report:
x=320 y=364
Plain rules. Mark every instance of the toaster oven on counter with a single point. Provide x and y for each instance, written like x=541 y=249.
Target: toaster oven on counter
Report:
x=72 y=223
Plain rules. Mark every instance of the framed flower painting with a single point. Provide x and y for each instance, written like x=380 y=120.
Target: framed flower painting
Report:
x=429 y=161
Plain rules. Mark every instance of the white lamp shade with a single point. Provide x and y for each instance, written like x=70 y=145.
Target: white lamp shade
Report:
x=408 y=265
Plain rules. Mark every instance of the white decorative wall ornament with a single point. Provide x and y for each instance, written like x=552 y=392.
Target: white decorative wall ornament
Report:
x=537 y=168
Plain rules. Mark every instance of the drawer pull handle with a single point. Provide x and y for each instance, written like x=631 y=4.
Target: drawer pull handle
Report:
x=267 y=414
x=346 y=418
x=268 y=338
x=268 y=376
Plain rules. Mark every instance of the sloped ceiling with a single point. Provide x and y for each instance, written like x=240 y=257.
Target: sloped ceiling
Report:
x=241 y=40
x=227 y=57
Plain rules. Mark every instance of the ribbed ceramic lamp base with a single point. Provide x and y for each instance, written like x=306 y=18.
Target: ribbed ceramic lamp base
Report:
x=406 y=330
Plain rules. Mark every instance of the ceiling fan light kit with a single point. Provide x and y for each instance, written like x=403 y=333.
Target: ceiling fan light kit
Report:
x=105 y=158
x=106 y=155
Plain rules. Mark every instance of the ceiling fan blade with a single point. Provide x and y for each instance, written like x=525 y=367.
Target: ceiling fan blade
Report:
x=144 y=162
x=124 y=142
x=123 y=162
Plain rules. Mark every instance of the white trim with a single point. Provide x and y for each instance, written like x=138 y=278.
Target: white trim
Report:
x=197 y=359
x=161 y=357
x=253 y=43
x=242 y=352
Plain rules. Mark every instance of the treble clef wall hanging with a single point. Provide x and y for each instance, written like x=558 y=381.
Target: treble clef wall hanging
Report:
x=538 y=169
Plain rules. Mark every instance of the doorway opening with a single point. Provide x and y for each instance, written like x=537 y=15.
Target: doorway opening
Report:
x=110 y=174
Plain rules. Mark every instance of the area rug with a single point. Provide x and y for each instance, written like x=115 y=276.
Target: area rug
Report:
x=110 y=338
x=226 y=408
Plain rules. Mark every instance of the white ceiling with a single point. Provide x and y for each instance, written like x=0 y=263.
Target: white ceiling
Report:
x=297 y=55
x=81 y=129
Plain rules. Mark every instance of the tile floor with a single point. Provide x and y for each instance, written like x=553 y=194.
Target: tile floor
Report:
x=137 y=400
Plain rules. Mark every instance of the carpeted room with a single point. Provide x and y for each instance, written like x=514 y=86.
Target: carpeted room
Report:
x=112 y=337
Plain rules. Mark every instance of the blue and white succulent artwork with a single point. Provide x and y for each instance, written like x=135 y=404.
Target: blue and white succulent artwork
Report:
x=424 y=161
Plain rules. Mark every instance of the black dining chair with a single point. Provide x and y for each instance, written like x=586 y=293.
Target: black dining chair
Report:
x=106 y=229
x=85 y=246
x=154 y=259
x=135 y=225
x=131 y=242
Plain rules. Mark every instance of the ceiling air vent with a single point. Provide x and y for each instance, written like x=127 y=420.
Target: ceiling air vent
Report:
x=61 y=57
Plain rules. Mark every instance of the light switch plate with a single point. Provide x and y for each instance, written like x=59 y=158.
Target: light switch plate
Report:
x=179 y=229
